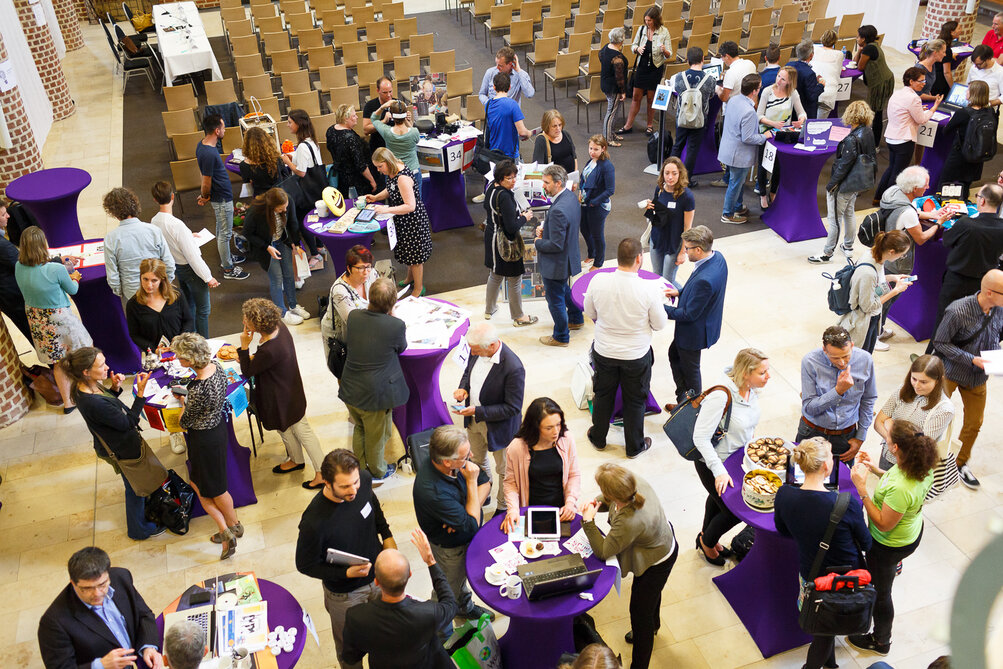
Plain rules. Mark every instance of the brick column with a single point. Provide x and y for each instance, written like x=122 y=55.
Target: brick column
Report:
x=69 y=24
x=83 y=11
x=23 y=156
x=15 y=397
x=46 y=60
x=938 y=12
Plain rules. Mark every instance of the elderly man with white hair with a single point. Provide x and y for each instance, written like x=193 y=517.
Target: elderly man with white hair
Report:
x=896 y=203
x=491 y=389
x=184 y=645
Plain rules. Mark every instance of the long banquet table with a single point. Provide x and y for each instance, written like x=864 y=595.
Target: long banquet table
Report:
x=184 y=45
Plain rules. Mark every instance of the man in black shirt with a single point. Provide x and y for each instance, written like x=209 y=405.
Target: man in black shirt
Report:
x=345 y=515
x=448 y=491
x=395 y=630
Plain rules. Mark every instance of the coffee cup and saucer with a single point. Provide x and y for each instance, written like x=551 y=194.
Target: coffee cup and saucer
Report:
x=495 y=574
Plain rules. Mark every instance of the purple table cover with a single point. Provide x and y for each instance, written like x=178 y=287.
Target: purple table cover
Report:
x=578 y=289
x=763 y=588
x=538 y=632
x=794 y=214
x=102 y=314
x=337 y=244
x=846 y=73
x=51 y=195
x=707 y=161
x=238 y=458
x=958 y=58
x=445 y=198
x=935 y=156
x=283 y=609
x=916 y=309
x=425 y=408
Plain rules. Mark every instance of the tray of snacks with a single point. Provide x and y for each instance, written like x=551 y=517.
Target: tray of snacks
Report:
x=766 y=453
x=759 y=489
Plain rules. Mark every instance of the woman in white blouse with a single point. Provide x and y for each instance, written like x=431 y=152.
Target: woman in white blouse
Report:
x=828 y=64
x=744 y=379
x=779 y=106
x=306 y=155
x=921 y=401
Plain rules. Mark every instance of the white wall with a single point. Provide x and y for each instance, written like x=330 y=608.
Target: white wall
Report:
x=895 y=18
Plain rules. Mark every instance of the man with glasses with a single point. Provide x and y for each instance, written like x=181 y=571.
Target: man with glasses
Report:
x=971 y=325
x=558 y=256
x=988 y=70
x=99 y=620
x=838 y=392
x=385 y=92
x=449 y=491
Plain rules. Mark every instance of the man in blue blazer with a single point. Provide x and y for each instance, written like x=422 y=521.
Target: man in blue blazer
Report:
x=492 y=388
x=698 y=311
x=557 y=255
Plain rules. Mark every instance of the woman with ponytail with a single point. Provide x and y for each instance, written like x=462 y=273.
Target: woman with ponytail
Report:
x=643 y=542
x=113 y=426
x=895 y=515
x=870 y=288
x=803 y=514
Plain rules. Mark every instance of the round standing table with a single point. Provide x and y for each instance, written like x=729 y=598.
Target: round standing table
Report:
x=51 y=195
x=338 y=243
x=102 y=314
x=763 y=588
x=283 y=609
x=578 y=289
x=238 y=458
x=794 y=214
x=707 y=161
x=935 y=156
x=445 y=192
x=425 y=408
x=538 y=632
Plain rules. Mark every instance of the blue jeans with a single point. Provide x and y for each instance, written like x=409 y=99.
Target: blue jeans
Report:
x=137 y=526
x=735 y=178
x=196 y=293
x=664 y=264
x=593 y=227
x=282 y=278
x=224 y=231
x=562 y=309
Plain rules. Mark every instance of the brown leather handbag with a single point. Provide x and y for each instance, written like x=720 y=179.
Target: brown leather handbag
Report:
x=145 y=473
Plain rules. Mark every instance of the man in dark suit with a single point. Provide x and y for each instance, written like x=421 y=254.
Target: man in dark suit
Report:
x=557 y=255
x=373 y=381
x=698 y=311
x=810 y=85
x=395 y=630
x=492 y=388
x=98 y=620
x=11 y=300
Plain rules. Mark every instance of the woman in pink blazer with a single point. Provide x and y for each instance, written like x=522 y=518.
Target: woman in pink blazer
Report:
x=541 y=464
x=905 y=115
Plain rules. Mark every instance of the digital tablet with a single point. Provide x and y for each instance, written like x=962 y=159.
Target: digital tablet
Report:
x=543 y=523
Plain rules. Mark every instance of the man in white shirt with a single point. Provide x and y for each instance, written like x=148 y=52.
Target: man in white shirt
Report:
x=192 y=271
x=626 y=310
x=988 y=70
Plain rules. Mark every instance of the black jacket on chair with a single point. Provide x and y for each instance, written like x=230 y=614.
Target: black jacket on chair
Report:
x=373 y=379
x=70 y=635
x=848 y=174
x=259 y=235
x=500 y=403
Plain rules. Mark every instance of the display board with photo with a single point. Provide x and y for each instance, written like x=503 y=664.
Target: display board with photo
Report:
x=428 y=93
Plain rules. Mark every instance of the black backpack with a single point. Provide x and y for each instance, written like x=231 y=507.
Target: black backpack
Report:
x=666 y=138
x=875 y=222
x=979 y=144
x=839 y=290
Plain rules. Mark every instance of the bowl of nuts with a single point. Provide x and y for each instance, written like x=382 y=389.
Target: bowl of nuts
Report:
x=766 y=453
x=759 y=489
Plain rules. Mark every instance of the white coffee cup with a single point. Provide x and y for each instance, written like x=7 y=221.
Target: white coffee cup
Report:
x=494 y=574
x=512 y=588
x=322 y=210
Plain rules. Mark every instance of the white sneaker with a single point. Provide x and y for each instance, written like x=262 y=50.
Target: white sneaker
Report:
x=299 y=283
x=178 y=442
x=477 y=199
x=291 y=318
x=301 y=312
x=881 y=346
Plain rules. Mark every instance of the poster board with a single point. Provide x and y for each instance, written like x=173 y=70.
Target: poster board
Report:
x=428 y=94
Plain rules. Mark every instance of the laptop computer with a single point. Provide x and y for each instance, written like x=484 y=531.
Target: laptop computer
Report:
x=956 y=98
x=203 y=616
x=556 y=576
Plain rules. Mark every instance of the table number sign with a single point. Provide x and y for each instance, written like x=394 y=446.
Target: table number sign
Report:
x=843 y=89
x=769 y=156
x=927 y=133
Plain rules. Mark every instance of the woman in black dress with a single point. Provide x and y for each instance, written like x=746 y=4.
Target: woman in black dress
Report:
x=956 y=167
x=652 y=44
x=349 y=154
x=943 y=76
x=554 y=145
x=204 y=420
x=414 y=234
x=155 y=312
x=504 y=219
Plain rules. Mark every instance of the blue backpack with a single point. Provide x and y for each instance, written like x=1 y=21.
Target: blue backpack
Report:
x=839 y=288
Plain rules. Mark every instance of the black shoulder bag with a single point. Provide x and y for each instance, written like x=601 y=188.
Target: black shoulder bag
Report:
x=679 y=427
x=848 y=606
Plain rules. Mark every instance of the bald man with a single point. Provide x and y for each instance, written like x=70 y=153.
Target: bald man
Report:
x=971 y=325
x=398 y=631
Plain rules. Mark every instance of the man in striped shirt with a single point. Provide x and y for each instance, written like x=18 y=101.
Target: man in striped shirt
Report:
x=971 y=325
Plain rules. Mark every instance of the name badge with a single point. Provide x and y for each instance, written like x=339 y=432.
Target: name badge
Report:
x=670 y=205
x=366 y=510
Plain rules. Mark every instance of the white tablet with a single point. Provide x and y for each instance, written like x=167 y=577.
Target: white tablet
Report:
x=543 y=523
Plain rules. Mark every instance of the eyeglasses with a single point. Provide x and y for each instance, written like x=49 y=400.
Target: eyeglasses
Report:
x=100 y=587
x=362 y=268
x=687 y=247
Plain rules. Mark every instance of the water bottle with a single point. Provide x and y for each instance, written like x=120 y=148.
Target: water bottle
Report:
x=846 y=55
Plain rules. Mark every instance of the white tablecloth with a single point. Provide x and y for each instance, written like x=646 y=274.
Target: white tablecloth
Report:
x=183 y=42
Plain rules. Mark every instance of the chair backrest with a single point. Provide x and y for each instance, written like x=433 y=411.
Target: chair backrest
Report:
x=406 y=67
x=593 y=65
x=180 y=97
x=299 y=22
x=761 y=17
x=186 y=175
x=388 y=48
x=185 y=144
x=232 y=15
x=331 y=19
x=849 y=24
x=546 y=49
x=270 y=106
x=346 y=95
x=731 y=34
x=307 y=101
x=475 y=109
x=501 y=17
x=521 y=32
x=318 y=57
x=701 y=24
x=406 y=28
x=531 y=11
x=392 y=11
x=423 y=45
x=320 y=125
x=588 y=7
x=566 y=66
x=362 y=16
x=344 y=34
x=285 y=61
x=219 y=92
x=292 y=6
x=482 y=8
x=239 y=28
x=675 y=28
x=732 y=20
x=580 y=42
x=369 y=72
x=296 y=81
x=585 y=22
x=702 y=41
x=245 y=46
x=442 y=61
x=553 y=26
x=259 y=86
x=613 y=18
x=818 y=10
x=460 y=82
x=333 y=76
x=671 y=9
x=455 y=105
x=278 y=41
x=595 y=92
x=697 y=8
x=310 y=39
x=759 y=37
x=822 y=26
x=753 y=5
x=637 y=18
x=376 y=30
x=180 y=122
x=248 y=66
x=788 y=13
x=752 y=57
x=321 y=6
x=560 y=8
x=353 y=53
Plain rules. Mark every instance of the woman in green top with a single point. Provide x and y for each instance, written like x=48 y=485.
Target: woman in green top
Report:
x=400 y=135
x=879 y=79
x=895 y=518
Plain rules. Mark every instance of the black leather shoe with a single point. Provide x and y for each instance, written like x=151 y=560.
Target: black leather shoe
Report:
x=717 y=562
x=645 y=446
x=629 y=636
x=588 y=435
x=277 y=469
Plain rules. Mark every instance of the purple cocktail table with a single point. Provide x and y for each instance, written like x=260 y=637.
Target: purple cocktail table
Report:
x=51 y=195
x=445 y=198
x=794 y=214
x=338 y=243
x=538 y=632
x=935 y=156
x=763 y=588
x=102 y=314
x=915 y=310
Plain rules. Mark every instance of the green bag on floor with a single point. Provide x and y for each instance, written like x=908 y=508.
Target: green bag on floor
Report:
x=475 y=646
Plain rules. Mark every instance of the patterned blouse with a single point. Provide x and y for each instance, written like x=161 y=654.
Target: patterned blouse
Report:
x=206 y=401
x=932 y=422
